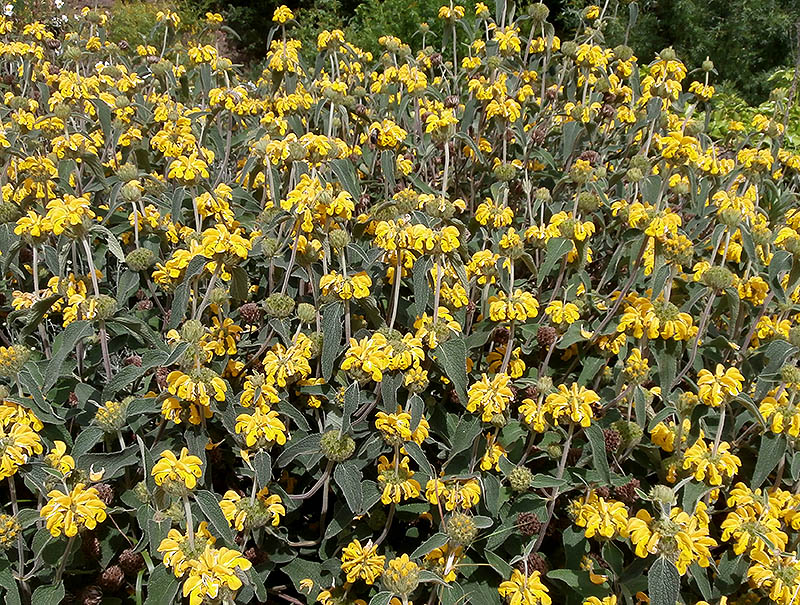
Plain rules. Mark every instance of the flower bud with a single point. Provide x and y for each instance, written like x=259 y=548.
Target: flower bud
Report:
x=461 y=529
x=307 y=313
x=279 y=306
x=140 y=259
x=337 y=447
x=538 y=12
x=520 y=479
x=718 y=278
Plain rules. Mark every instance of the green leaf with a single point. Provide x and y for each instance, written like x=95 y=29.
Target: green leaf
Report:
x=598 y=443
x=210 y=506
x=451 y=356
x=663 y=582
x=435 y=541
x=47 y=595
x=382 y=598
x=348 y=477
x=162 y=587
x=8 y=582
x=771 y=451
x=332 y=327
x=239 y=284
x=63 y=346
x=112 y=241
x=498 y=563
x=557 y=248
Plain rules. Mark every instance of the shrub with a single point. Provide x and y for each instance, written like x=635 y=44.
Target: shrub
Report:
x=503 y=325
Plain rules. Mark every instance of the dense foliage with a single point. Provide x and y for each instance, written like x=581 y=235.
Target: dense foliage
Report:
x=500 y=325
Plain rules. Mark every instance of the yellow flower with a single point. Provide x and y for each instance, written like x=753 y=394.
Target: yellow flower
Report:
x=176 y=548
x=754 y=528
x=710 y=466
x=68 y=513
x=681 y=537
x=59 y=459
x=214 y=569
x=574 y=402
x=261 y=428
x=172 y=469
x=777 y=574
x=494 y=451
x=719 y=387
x=490 y=397
x=355 y=286
x=242 y=514
x=606 y=518
x=780 y=412
x=489 y=211
x=367 y=359
x=521 y=306
x=362 y=562
x=282 y=14
x=20 y=441
x=523 y=589
x=455 y=493
x=559 y=312
x=196 y=389
x=396 y=480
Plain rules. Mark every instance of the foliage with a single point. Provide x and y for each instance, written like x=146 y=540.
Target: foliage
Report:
x=501 y=325
x=745 y=40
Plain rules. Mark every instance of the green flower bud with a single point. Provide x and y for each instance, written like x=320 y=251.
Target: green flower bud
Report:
x=461 y=529
x=630 y=432
x=718 y=278
x=279 y=306
x=192 y=331
x=9 y=212
x=219 y=296
x=140 y=259
x=520 y=479
x=570 y=49
x=623 y=53
x=336 y=447
x=663 y=494
x=307 y=313
x=790 y=374
x=339 y=239
x=131 y=192
x=538 y=12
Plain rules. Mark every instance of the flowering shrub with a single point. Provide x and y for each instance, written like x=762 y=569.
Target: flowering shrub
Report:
x=505 y=326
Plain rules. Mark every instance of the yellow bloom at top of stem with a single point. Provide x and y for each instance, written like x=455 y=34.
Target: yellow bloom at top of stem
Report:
x=212 y=570
x=523 y=589
x=521 y=306
x=708 y=466
x=719 y=387
x=242 y=514
x=362 y=562
x=261 y=428
x=490 y=396
x=680 y=537
x=69 y=513
x=574 y=402
x=184 y=469
x=59 y=459
x=283 y=14
x=777 y=574
x=454 y=492
x=353 y=286
x=397 y=485
x=606 y=518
